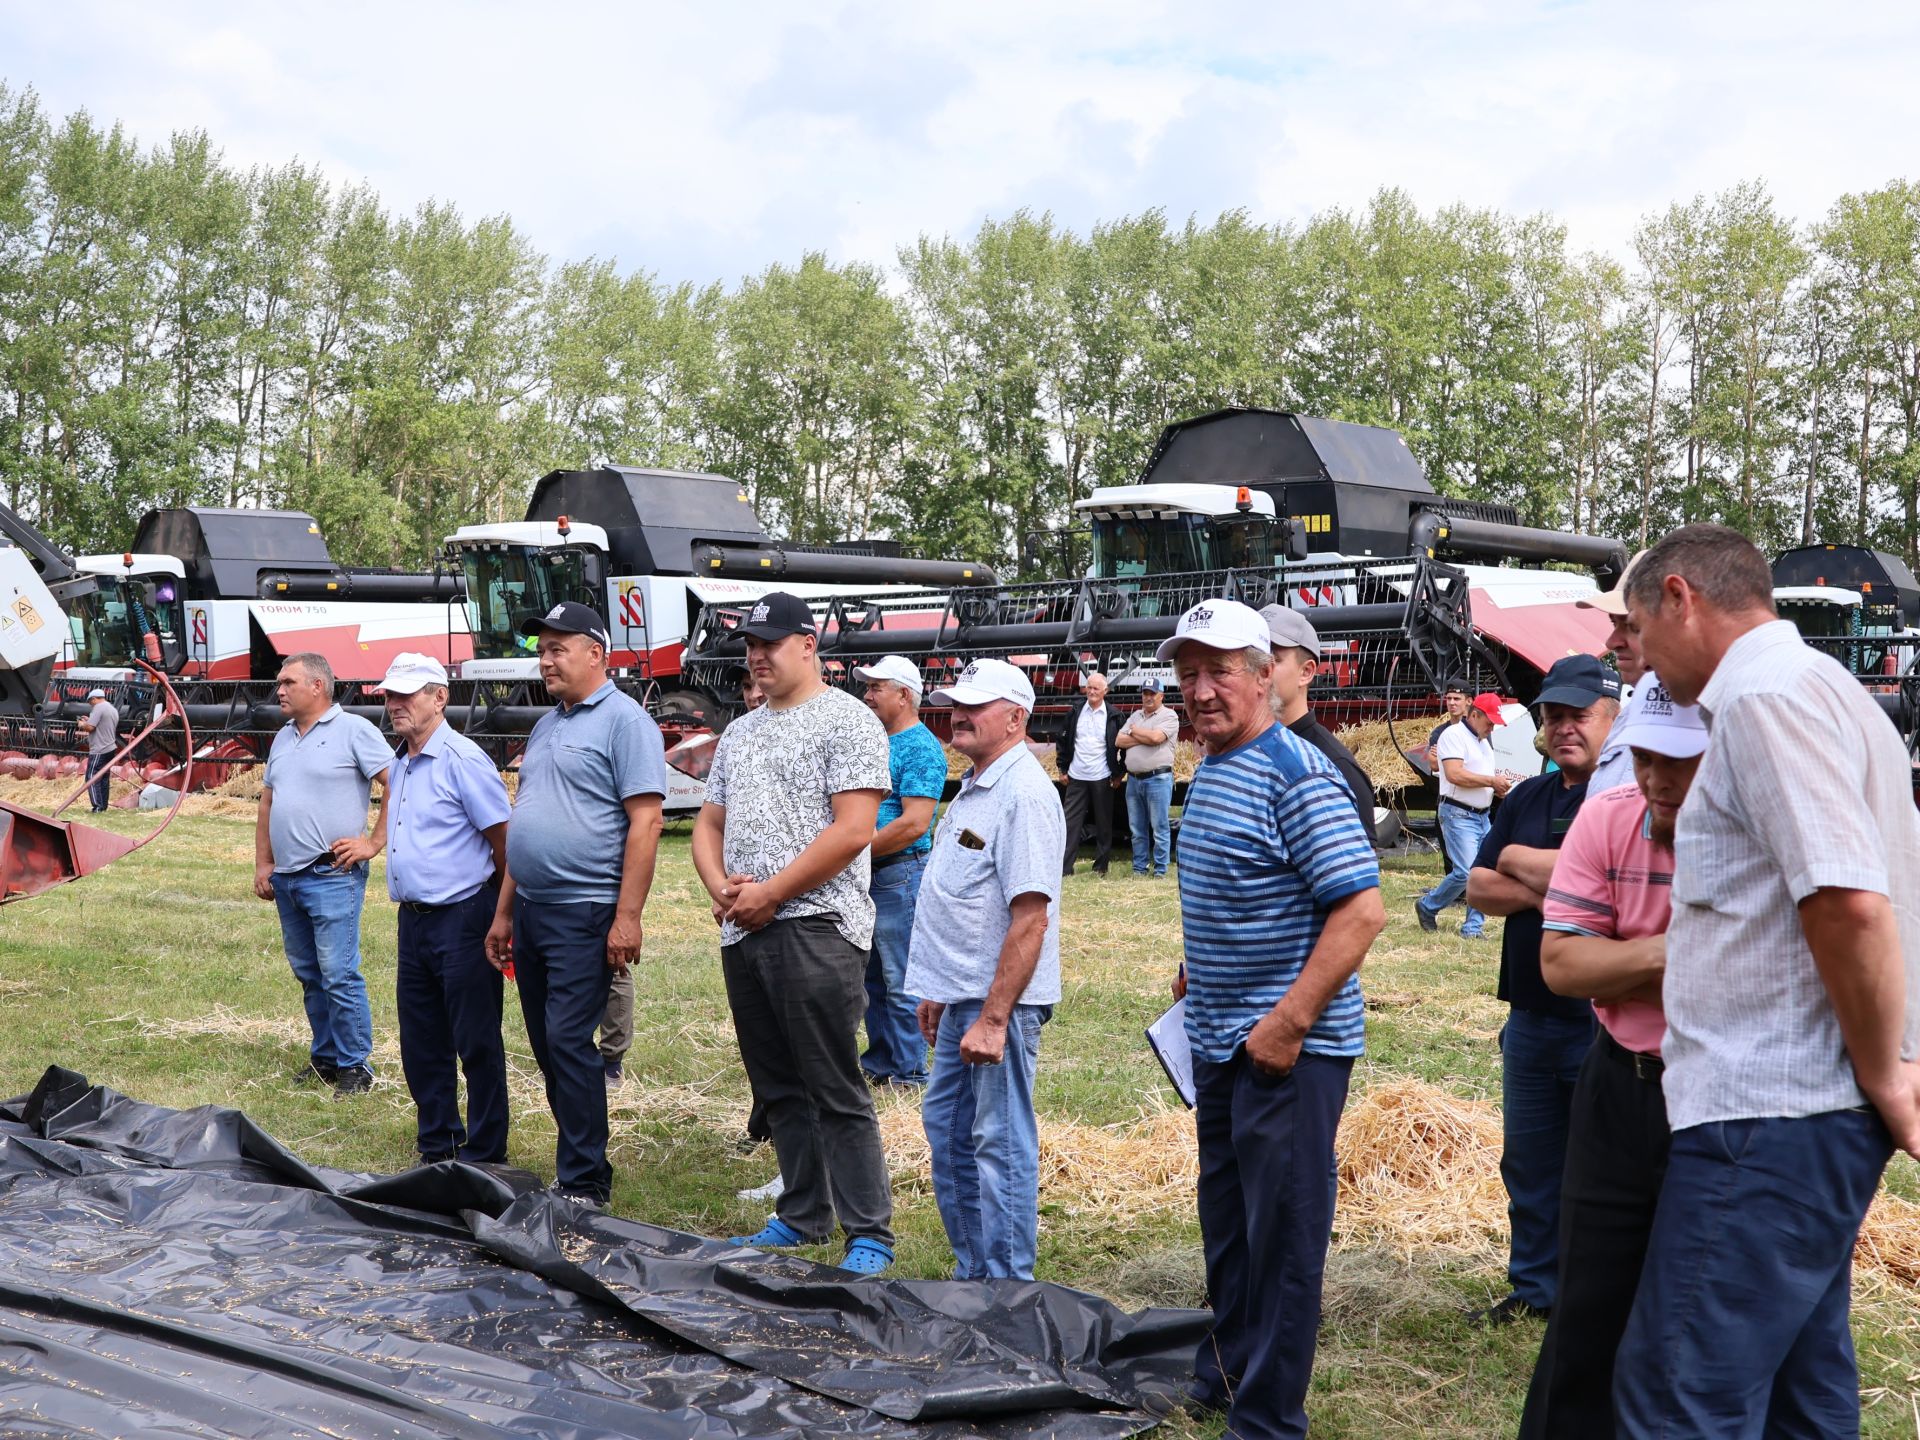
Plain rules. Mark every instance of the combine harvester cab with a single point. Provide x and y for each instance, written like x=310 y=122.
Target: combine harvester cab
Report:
x=1862 y=607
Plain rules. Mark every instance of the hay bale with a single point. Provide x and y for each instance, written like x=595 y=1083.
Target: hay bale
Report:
x=1890 y=1239
x=1420 y=1170
x=1372 y=746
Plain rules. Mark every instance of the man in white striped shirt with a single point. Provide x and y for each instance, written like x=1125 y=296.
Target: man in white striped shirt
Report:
x=1792 y=995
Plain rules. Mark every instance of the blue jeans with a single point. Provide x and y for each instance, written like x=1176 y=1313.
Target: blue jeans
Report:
x=1463 y=830
x=895 y=1048
x=1739 y=1328
x=560 y=962
x=320 y=924
x=99 y=789
x=1540 y=1060
x=449 y=999
x=1266 y=1192
x=1149 y=800
x=986 y=1146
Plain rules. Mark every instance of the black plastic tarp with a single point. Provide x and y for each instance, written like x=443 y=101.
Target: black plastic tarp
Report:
x=181 y=1273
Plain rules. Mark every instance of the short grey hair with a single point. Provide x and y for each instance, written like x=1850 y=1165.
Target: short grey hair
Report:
x=1258 y=661
x=315 y=664
x=1719 y=564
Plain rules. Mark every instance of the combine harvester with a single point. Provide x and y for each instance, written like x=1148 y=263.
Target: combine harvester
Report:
x=38 y=852
x=1334 y=519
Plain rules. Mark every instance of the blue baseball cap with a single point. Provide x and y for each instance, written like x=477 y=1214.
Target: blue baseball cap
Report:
x=1578 y=680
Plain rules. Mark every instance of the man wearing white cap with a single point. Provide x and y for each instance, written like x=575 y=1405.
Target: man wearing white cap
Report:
x=1605 y=918
x=446 y=851
x=986 y=959
x=1279 y=900
x=1615 y=767
x=102 y=729
x=896 y=1054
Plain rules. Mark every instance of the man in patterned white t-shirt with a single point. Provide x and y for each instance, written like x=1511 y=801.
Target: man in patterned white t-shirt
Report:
x=782 y=847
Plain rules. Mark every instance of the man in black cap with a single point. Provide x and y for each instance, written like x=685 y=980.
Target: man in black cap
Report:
x=782 y=846
x=1296 y=660
x=580 y=854
x=1456 y=699
x=1547 y=1036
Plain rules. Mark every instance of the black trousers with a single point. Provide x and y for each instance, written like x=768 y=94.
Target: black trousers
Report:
x=560 y=960
x=1078 y=798
x=448 y=998
x=798 y=991
x=1616 y=1161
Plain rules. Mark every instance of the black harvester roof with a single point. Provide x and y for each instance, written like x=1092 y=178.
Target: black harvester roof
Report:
x=1361 y=478
x=652 y=517
x=226 y=551
x=1883 y=579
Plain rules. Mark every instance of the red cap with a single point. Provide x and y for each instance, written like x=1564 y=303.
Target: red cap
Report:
x=1488 y=704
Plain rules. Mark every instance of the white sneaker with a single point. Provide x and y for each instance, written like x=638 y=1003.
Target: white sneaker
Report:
x=772 y=1190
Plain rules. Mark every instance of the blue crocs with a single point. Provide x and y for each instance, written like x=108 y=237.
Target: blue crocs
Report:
x=775 y=1232
x=867 y=1256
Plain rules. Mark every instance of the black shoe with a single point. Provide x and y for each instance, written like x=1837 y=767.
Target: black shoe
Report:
x=438 y=1157
x=615 y=1072
x=315 y=1072
x=1505 y=1312
x=353 y=1080
x=1100 y=870
x=1202 y=1402
x=1428 y=922
x=584 y=1199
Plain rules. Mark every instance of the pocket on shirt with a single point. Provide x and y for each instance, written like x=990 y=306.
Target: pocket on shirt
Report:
x=962 y=874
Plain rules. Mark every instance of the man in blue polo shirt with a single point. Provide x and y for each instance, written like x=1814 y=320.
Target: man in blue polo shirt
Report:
x=1279 y=901
x=580 y=857
x=310 y=854
x=896 y=1054
x=446 y=851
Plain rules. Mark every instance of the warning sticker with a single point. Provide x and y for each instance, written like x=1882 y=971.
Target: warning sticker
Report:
x=29 y=616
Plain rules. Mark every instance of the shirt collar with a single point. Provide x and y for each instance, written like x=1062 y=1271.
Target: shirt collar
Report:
x=985 y=778
x=607 y=688
x=332 y=711
x=436 y=742
x=1774 y=634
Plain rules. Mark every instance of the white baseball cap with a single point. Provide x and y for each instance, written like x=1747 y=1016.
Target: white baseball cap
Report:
x=985 y=680
x=897 y=668
x=1222 y=624
x=411 y=672
x=96 y=691
x=1659 y=724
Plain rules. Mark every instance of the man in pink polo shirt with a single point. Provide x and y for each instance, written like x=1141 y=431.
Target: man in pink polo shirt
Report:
x=1605 y=919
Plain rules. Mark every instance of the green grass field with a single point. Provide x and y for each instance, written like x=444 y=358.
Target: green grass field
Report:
x=164 y=978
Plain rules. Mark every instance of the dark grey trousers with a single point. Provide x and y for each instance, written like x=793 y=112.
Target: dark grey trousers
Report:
x=797 y=990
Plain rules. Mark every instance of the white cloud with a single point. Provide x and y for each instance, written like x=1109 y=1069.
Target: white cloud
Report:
x=708 y=144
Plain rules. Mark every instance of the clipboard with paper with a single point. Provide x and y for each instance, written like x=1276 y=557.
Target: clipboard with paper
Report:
x=1168 y=1037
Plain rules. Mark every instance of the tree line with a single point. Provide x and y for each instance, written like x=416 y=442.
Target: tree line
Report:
x=174 y=331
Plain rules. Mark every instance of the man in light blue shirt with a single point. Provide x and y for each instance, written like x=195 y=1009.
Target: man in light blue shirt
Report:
x=580 y=857
x=986 y=960
x=310 y=854
x=446 y=849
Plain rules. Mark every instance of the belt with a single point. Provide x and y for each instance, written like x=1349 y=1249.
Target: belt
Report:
x=1149 y=774
x=325 y=862
x=1645 y=1067
x=421 y=907
x=896 y=857
x=1462 y=805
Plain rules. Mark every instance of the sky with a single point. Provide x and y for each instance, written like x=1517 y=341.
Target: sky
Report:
x=705 y=142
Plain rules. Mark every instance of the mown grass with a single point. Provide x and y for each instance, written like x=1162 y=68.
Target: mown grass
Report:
x=164 y=978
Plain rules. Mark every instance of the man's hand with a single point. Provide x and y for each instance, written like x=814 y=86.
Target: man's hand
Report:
x=500 y=942
x=1501 y=785
x=1273 y=1046
x=1117 y=781
x=1898 y=1101
x=1180 y=984
x=623 y=943
x=985 y=1042
x=753 y=902
x=928 y=1014
x=353 y=850
x=263 y=881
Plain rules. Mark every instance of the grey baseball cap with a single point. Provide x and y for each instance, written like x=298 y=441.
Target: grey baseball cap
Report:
x=1290 y=629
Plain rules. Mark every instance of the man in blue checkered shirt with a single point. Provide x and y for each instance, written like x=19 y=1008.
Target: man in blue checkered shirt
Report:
x=1279 y=900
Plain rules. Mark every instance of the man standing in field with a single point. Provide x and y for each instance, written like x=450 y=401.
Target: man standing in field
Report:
x=781 y=846
x=1470 y=781
x=310 y=856
x=1605 y=918
x=986 y=955
x=1090 y=766
x=1547 y=1036
x=1146 y=744
x=102 y=729
x=1616 y=761
x=1792 y=996
x=896 y=1052
x=1279 y=901
x=580 y=859
x=446 y=852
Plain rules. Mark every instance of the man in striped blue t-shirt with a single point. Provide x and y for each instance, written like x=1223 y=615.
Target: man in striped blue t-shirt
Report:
x=1279 y=900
